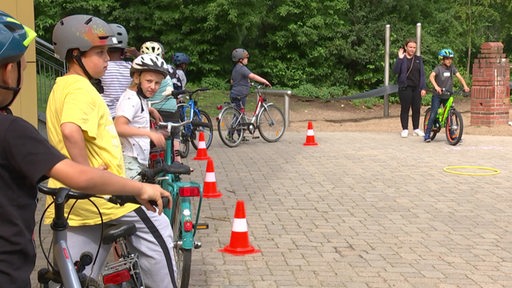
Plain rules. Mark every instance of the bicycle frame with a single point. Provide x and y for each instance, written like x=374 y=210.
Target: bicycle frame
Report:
x=445 y=111
x=176 y=187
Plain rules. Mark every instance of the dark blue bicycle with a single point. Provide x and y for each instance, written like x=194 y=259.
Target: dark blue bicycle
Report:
x=200 y=122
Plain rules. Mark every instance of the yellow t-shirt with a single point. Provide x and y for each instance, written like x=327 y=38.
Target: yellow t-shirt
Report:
x=74 y=100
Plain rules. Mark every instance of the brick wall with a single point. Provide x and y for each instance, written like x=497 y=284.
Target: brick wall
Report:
x=490 y=91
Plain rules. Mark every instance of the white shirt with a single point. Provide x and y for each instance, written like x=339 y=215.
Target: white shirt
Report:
x=135 y=109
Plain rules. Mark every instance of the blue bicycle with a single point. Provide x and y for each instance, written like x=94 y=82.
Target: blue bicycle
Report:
x=200 y=122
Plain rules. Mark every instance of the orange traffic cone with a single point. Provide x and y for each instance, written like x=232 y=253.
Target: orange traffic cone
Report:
x=202 y=153
x=310 y=136
x=210 y=184
x=239 y=243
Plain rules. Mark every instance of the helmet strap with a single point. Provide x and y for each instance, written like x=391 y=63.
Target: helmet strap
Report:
x=15 y=90
x=95 y=82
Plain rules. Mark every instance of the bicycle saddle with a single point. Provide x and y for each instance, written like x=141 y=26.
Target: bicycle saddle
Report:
x=116 y=231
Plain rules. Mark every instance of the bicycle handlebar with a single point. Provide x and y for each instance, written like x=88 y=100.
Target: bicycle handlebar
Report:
x=450 y=93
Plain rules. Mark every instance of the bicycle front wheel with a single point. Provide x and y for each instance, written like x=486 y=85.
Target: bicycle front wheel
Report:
x=184 y=143
x=434 y=130
x=183 y=257
x=230 y=127
x=271 y=124
x=207 y=131
x=454 y=127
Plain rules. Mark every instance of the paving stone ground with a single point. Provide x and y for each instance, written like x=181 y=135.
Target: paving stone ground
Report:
x=359 y=210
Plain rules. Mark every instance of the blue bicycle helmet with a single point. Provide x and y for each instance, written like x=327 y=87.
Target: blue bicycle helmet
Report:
x=14 y=38
x=180 y=58
x=445 y=53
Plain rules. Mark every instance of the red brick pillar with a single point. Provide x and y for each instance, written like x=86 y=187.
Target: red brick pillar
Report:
x=490 y=91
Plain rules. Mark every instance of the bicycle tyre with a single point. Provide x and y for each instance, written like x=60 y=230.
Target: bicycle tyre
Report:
x=454 y=127
x=229 y=127
x=207 y=131
x=271 y=123
x=184 y=143
x=433 y=132
x=182 y=257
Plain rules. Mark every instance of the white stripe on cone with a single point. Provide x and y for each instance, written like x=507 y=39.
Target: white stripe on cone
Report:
x=310 y=132
x=201 y=145
x=209 y=177
x=240 y=225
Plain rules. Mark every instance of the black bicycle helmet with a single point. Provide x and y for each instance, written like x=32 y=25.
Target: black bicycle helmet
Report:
x=180 y=58
x=14 y=38
x=81 y=32
x=239 y=53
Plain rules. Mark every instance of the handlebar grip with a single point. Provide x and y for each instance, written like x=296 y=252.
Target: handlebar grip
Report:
x=123 y=199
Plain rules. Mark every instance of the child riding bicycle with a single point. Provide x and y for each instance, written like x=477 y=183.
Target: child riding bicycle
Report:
x=442 y=80
x=240 y=79
x=132 y=112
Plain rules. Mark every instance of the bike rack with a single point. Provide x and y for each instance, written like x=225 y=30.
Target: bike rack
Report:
x=286 y=94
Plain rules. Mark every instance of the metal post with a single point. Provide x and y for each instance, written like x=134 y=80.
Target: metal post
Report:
x=386 y=70
x=418 y=39
x=287 y=94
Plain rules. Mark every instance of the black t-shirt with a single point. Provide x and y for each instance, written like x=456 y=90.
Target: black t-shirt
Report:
x=25 y=159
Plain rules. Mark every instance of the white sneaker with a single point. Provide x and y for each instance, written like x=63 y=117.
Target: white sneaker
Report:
x=404 y=133
x=418 y=132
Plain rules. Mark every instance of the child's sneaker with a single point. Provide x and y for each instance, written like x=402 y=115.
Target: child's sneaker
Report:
x=427 y=140
x=404 y=133
x=418 y=132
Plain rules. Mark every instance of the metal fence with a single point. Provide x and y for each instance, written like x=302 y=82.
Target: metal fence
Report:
x=48 y=68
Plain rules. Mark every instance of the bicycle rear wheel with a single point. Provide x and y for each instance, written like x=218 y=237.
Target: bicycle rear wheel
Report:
x=434 y=130
x=183 y=257
x=230 y=127
x=207 y=131
x=454 y=127
x=271 y=124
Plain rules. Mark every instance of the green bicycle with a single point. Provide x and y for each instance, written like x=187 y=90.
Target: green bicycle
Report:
x=448 y=118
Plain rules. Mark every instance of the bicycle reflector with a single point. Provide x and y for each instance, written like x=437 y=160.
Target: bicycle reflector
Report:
x=190 y=191
x=219 y=107
x=117 y=277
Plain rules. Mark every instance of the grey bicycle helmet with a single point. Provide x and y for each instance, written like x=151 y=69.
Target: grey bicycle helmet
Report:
x=152 y=47
x=14 y=38
x=81 y=32
x=180 y=58
x=238 y=54
x=120 y=34
x=149 y=62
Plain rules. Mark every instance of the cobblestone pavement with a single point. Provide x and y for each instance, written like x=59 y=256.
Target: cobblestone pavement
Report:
x=359 y=210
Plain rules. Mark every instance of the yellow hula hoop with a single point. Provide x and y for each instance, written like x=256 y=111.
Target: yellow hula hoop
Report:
x=453 y=170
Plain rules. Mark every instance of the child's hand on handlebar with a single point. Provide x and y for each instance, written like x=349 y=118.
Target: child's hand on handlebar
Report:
x=153 y=193
x=157 y=138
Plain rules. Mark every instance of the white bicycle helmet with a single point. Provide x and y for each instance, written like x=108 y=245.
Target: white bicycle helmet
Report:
x=121 y=35
x=149 y=62
x=152 y=47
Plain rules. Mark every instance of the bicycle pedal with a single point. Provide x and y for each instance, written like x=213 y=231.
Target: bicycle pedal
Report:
x=202 y=226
